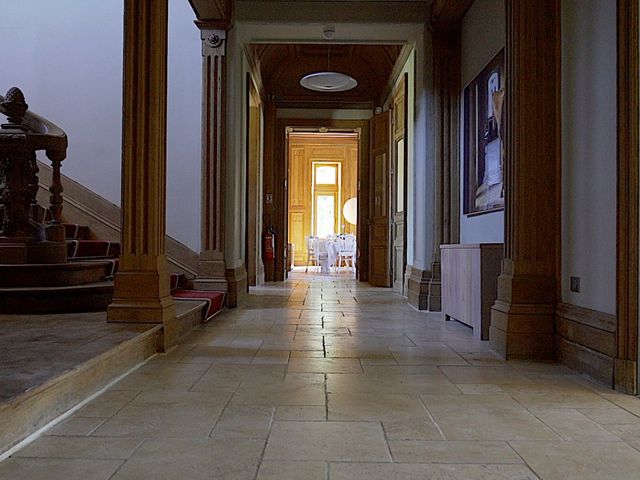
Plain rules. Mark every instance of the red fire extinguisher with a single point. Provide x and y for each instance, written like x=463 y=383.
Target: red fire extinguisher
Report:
x=269 y=243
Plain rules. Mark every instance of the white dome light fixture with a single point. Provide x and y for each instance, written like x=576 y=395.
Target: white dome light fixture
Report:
x=350 y=210
x=328 y=82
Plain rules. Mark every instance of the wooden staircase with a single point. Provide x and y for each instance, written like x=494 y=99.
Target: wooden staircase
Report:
x=84 y=283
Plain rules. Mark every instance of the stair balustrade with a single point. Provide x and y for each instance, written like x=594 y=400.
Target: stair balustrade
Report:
x=25 y=236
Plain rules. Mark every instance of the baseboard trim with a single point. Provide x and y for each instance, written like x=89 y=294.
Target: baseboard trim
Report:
x=237 y=286
x=586 y=341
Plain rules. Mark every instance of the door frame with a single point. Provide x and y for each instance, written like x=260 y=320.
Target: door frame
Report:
x=253 y=252
x=281 y=195
x=395 y=138
x=628 y=170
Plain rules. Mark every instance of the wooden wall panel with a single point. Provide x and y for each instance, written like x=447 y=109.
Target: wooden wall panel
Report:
x=379 y=259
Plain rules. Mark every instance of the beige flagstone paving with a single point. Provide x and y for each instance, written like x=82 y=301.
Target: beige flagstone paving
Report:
x=324 y=378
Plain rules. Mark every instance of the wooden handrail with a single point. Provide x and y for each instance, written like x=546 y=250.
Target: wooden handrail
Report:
x=47 y=133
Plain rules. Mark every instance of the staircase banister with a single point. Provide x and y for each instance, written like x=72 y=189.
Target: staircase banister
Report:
x=42 y=134
x=21 y=137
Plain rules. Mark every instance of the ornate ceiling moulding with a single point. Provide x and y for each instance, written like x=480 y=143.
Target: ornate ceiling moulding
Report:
x=214 y=24
x=213 y=11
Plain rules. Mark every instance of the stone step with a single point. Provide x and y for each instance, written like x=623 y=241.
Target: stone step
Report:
x=54 y=275
x=92 y=297
x=74 y=231
x=25 y=414
x=190 y=314
x=92 y=249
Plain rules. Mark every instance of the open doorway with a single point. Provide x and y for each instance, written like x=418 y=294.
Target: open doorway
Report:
x=323 y=201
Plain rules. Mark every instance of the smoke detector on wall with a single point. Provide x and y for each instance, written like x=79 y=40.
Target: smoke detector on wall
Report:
x=328 y=32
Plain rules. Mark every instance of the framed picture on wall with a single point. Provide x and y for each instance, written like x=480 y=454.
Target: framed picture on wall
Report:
x=483 y=147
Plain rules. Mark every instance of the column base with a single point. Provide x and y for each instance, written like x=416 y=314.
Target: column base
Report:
x=212 y=274
x=143 y=297
x=237 y=286
x=435 y=289
x=424 y=288
x=624 y=375
x=418 y=287
x=218 y=284
x=233 y=282
x=522 y=331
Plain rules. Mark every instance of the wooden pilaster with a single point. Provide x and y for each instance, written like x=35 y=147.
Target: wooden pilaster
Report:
x=142 y=283
x=522 y=320
x=212 y=272
x=446 y=87
x=626 y=361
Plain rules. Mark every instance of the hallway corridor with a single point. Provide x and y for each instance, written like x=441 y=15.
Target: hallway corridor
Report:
x=324 y=378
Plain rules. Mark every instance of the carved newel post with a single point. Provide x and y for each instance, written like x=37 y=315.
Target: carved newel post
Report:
x=24 y=236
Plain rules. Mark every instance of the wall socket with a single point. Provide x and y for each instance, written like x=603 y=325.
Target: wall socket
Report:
x=575 y=284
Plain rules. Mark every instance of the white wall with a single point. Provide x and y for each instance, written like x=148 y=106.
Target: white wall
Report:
x=589 y=152
x=184 y=126
x=67 y=58
x=483 y=35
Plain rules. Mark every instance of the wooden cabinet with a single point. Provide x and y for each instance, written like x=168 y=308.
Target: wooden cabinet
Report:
x=470 y=283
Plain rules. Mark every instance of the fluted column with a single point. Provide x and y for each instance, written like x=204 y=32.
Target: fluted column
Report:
x=142 y=283
x=522 y=318
x=446 y=86
x=211 y=267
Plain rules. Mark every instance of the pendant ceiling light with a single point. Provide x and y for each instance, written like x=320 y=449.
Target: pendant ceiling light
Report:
x=328 y=81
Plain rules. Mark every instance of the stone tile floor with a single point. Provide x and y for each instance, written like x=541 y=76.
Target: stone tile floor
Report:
x=322 y=378
x=37 y=348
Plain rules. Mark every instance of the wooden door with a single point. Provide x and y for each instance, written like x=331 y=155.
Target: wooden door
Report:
x=379 y=261
x=398 y=186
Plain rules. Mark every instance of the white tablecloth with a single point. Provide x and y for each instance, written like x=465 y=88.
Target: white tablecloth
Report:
x=327 y=253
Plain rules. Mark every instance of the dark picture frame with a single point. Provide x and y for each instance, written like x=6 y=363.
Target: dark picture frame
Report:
x=483 y=146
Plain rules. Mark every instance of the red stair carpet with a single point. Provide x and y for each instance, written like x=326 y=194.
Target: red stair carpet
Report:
x=215 y=300
x=81 y=247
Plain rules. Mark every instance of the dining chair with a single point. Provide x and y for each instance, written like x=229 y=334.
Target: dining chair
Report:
x=312 y=244
x=347 y=251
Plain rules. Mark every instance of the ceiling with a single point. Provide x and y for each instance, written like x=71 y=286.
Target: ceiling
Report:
x=220 y=13
x=281 y=67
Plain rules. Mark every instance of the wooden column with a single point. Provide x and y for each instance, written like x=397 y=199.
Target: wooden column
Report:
x=446 y=87
x=626 y=361
x=522 y=319
x=142 y=282
x=212 y=267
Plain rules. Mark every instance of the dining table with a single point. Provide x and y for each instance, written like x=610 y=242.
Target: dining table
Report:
x=327 y=253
